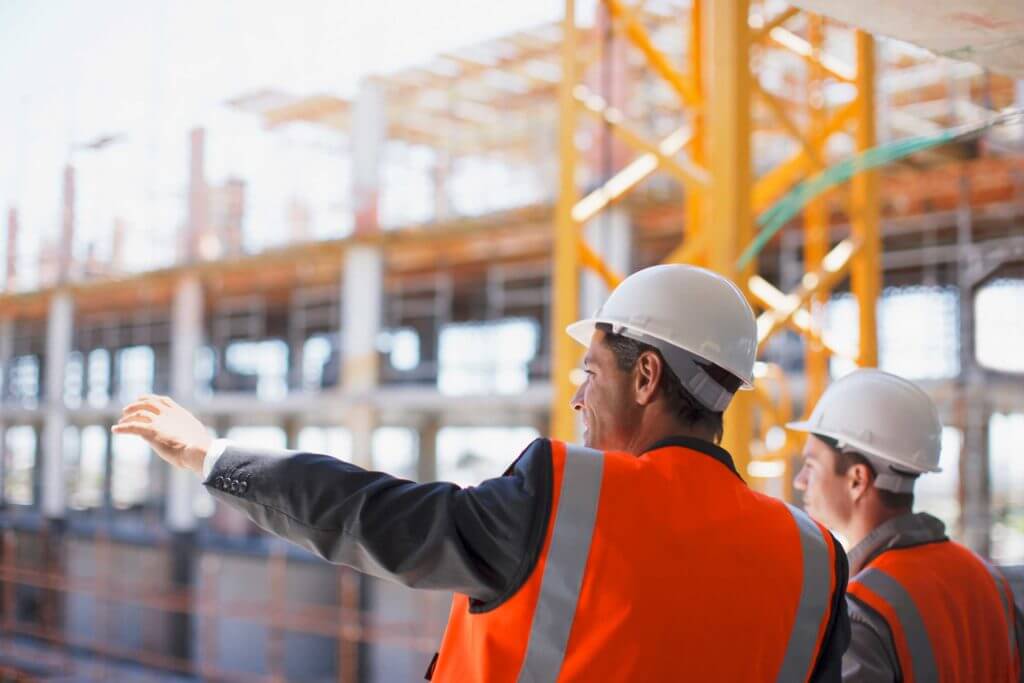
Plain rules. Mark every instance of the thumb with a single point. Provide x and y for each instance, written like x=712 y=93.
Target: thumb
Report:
x=136 y=427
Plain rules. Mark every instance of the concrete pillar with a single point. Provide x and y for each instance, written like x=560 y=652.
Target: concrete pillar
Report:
x=975 y=484
x=6 y=351
x=610 y=235
x=292 y=427
x=362 y=302
x=11 y=274
x=361 y=421
x=369 y=132
x=67 y=227
x=117 y=245
x=426 y=462
x=186 y=337
x=198 y=196
x=59 y=330
x=441 y=173
x=108 y=476
x=231 y=236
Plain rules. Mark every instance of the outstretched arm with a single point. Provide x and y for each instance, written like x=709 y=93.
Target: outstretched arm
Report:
x=481 y=541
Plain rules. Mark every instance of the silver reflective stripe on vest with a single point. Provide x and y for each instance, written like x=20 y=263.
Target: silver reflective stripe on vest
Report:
x=921 y=658
x=566 y=561
x=1008 y=607
x=815 y=600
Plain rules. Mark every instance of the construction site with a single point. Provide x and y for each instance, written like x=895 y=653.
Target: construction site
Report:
x=857 y=169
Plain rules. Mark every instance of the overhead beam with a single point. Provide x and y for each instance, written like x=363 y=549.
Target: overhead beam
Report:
x=638 y=35
x=686 y=172
x=833 y=268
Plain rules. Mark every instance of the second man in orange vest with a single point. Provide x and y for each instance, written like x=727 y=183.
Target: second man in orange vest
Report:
x=922 y=607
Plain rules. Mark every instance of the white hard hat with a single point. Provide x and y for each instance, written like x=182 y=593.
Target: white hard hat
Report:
x=693 y=317
x=884 y=417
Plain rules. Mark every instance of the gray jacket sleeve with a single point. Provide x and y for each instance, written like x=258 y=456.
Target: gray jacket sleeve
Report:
x=871 y=657
x=481 y=541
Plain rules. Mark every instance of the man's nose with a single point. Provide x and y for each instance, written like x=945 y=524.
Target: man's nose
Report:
x=576 y=403
x=800 y=480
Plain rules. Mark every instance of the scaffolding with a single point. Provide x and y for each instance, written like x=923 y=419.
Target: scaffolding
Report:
x=676 y=126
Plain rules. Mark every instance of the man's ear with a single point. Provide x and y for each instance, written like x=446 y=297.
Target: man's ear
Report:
x=859 y=479
x=647 y=376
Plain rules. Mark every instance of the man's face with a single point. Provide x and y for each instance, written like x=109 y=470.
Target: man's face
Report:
x=605 y=399
x=827 y=495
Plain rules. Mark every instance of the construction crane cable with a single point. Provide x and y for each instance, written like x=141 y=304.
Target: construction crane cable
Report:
x=776 y=216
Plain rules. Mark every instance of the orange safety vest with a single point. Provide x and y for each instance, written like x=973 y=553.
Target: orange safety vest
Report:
x=655 y=568
x=950 y=612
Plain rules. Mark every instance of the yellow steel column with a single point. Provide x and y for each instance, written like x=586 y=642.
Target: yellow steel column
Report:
x=866 y=273
x=565 y=352
x=816 y=221
x=694 y=199
x=730 y=223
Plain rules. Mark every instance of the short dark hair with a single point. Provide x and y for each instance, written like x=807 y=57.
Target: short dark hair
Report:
x=847 y=459
x=687 y=409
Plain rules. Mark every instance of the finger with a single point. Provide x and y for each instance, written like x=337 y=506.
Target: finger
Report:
x=142 y=429
x=141 y=407
x=146 y=405
x=139 y=415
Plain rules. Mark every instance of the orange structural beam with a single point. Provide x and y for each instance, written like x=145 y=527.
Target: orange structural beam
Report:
x=591 y=259
x=833 y=269
x=776 y=181
x=638 y=35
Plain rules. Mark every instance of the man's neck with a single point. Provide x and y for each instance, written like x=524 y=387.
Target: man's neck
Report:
x=866 y=520
x=660 y=430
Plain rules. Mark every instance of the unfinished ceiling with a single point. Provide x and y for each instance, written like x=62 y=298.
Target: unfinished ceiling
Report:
x=987 y=32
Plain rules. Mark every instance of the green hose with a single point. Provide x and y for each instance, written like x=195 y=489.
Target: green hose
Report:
x=780 y=213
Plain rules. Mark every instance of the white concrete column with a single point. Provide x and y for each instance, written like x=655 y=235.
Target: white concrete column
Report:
x=610 y=234
x=65 y=250
x=11 y=273
x=362 y=298
x=361 y=306
x=186 y=338
x=59 y=330
x=361 y=421
x=369 y=132
x=6 y=351
x=198 y=197
x=426 y=461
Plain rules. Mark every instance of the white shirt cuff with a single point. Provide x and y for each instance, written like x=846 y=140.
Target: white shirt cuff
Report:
x=213 y=454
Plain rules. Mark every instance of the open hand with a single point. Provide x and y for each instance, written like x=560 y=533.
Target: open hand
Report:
x=173 y=432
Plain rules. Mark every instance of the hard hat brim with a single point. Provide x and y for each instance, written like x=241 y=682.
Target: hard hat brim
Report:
x=583 y=331
x=806 y=427
x=799 y=426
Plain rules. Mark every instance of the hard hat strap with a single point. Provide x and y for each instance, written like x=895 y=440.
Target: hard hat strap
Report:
x=896 y=483
x=689 y=368
x=888 y=477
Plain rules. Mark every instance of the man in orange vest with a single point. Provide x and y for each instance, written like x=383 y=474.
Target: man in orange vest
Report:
x=922 y=607
x=642 y=556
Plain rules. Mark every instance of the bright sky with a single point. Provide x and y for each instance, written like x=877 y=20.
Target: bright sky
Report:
x=151 y=70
